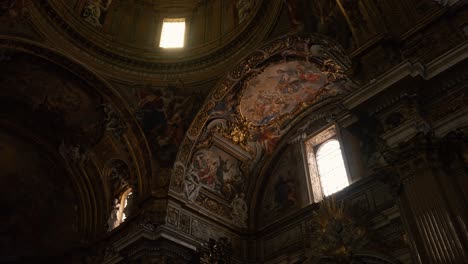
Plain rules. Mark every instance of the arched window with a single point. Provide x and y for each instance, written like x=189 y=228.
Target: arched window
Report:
x=326 y=163
x=331 y=167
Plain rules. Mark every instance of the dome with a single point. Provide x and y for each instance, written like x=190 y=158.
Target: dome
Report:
x=127 y=32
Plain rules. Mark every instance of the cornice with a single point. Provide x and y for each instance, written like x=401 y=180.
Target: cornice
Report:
x=119 y=62
x=407 y=68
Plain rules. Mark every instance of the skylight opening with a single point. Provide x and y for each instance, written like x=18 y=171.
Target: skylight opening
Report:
x=172 y=33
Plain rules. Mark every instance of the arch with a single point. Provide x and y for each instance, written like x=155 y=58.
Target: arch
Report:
x=234 y=120
x=134 y=139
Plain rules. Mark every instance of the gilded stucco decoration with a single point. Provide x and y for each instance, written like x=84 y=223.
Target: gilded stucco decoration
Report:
x=336 y=235
x=133 y=28
x=247 y=114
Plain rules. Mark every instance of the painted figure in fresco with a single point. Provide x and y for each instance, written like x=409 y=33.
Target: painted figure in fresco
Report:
x=219 y=174
x=261 y=103
x=163 y=117
x=292 y=80
x=229 y=178
x=209 y=177
x=225 y=108
x=268 y=138
x=205 y=167
x=285 y=193
x=274 y=110
x=307 y=75
x=268 y=105
x=280 y=89
x=220 y=171
x=288 y=81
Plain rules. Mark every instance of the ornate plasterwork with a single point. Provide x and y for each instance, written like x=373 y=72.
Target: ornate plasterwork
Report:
x=226 y=138
x=130 y=63
x=336 y=235
x=83 y=158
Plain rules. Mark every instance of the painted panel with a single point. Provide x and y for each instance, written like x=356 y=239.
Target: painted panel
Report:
x=280 y=89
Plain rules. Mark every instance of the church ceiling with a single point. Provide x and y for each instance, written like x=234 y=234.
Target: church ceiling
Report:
x=279 y=90
x=134 y=28
x=51 y=100
x=94 y=140
x=94 y=112
x=248 y=114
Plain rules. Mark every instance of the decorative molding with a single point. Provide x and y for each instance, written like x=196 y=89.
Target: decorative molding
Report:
x=404 y=69
x=139 y=65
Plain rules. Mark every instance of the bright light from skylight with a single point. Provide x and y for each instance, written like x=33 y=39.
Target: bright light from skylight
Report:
x=172 y=33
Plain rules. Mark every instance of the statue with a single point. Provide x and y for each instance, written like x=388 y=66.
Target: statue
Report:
x=243 y=8
x=337 y=235
x=239 y=210
x=112 y=221
x=93 y=10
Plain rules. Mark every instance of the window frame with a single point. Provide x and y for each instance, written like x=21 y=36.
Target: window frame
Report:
x=313 y=177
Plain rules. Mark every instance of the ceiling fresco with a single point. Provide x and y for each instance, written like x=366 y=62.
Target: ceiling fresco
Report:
x=133 y=28
x=279 y=89
x=218 y=171
x=164 y=117
x=248 y=114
